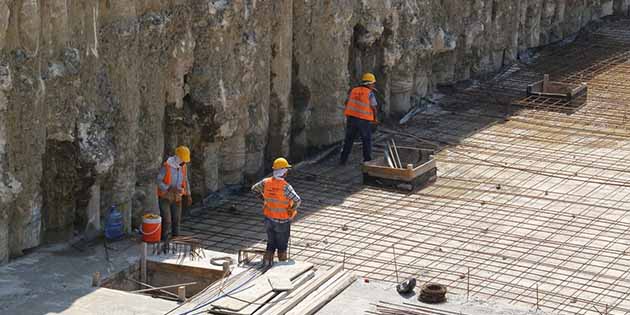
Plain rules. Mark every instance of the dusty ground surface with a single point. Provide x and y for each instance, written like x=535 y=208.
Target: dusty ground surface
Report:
x=531 y=201
x=58 y=279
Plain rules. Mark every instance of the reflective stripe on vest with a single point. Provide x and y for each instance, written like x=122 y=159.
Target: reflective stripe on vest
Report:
x=358 y=104
x=276 y=203
x=167 y=179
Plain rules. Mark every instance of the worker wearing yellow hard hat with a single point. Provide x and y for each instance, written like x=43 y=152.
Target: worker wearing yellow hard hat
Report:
x=360 y=114
x=173 y=184
x=279 y=208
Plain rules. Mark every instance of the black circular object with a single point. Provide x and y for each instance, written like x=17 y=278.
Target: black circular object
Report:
x=432 y=293
x=406 y=286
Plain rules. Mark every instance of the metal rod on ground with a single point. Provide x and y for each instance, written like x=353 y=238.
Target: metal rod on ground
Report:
x=395 y=264
x=164 y=287
x=154 y=288
x=388 y=159
x=391 y=155
x=397 y=155
x=537 y=306
x=468 y=285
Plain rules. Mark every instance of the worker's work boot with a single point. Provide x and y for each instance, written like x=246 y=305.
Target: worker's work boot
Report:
x=282 y=256
x=268 y=259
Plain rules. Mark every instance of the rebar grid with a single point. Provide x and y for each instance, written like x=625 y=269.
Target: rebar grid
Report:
x=533 y=205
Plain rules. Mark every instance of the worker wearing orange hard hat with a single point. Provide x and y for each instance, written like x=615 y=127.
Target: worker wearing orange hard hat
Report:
x=279 y=208
x=360 y=112
x=172 y=186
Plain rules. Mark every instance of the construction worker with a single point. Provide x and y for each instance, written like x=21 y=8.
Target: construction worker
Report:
x=172 y=186
x=280 y=204
x=360 y=113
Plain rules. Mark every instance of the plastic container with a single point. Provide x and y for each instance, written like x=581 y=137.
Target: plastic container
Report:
x=114 y=224
x=151 y=228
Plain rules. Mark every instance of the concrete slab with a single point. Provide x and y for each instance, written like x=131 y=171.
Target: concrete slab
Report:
x=104 y=301
x=362 y=297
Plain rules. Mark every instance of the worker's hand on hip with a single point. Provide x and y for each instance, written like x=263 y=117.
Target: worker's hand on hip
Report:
x=292 y=213
x=375 y=122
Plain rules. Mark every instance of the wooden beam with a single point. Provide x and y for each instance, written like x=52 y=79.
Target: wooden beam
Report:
x=181 y=293
x=295 y=297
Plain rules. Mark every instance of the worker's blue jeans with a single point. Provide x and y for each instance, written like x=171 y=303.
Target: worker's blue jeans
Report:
x=364 y=129
x=171 y=213
x=277 y=235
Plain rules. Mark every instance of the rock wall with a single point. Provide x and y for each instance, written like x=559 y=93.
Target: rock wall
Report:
x=94 y=94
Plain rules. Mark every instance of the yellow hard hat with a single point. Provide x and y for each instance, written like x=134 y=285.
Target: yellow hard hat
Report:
x=183 y=153
x=368 y=78
x=280 y=163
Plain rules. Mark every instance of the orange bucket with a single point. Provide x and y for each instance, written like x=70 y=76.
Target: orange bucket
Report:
x=151 y=228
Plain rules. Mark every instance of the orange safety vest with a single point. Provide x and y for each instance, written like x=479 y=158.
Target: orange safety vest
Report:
x=167 y=179
x=358 y=104
x=276 y=203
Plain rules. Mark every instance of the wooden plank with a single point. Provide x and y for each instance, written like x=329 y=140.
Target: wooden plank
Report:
x=249 y=309
x=181 y=293
x=302 y=292
x=297 y=283
x=318 y=299
x=428 y=166
x=243 y=297
x=261 y=286
x=390 y=173
x=211 y=274
x=289 y=269
x=279 y=284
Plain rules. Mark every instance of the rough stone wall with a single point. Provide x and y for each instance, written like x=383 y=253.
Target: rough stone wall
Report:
x=94 y=94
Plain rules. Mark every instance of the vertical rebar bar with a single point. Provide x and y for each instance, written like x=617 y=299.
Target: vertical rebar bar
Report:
x=468 y=284
x=537 y=305
x=395 y=264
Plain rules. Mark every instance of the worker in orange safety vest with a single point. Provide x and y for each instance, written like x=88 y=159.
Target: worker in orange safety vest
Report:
x=172 y=186
x=279 y=208
x=360 y=112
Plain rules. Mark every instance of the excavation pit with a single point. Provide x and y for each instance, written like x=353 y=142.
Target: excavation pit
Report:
x=419 y=169
x=169 y=273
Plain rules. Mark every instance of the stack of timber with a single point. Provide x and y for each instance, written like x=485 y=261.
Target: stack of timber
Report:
x=287 y=288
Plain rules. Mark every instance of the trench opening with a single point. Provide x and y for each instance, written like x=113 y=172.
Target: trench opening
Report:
x=163 y=280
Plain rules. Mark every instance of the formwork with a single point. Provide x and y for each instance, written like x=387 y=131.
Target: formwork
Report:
x=530 y=205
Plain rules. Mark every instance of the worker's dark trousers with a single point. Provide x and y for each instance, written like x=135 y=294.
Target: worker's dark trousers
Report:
x=171 y=213
x=277 y=235
x=364 y=129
